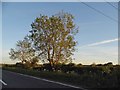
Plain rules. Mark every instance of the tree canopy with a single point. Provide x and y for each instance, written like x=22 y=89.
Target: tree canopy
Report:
x=51 y=40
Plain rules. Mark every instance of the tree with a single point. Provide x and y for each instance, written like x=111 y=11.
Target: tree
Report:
x=53 y=37
x=24 y=52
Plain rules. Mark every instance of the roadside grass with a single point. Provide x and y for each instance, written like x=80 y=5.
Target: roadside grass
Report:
x=86 y=80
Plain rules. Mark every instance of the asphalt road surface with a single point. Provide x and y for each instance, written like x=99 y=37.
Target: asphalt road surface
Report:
x=16 y=80
x=0 y=78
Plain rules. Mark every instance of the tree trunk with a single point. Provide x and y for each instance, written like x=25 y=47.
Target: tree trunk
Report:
x=50 y=60
x=59 y=55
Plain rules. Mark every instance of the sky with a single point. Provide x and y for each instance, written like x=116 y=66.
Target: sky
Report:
x=59 y=0
x=97 y=38
x=0 y=31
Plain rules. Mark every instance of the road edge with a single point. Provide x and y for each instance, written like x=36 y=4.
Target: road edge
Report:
x=43 y=79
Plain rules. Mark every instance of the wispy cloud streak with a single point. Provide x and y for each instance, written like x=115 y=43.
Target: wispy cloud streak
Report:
x=101 y=42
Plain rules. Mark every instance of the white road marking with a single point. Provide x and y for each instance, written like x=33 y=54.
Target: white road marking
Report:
x=50 y=81
x=53 y=81
x=3 y=82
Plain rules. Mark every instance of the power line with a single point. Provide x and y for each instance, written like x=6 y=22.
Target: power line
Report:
x=111 y=5
x=100 y=12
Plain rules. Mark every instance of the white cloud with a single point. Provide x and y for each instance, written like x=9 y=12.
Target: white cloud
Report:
x=95 y=53
x=100 y=43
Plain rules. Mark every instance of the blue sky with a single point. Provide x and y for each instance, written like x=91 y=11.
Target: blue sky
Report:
x=94 y=28
x=58 y=0
x=0 y=31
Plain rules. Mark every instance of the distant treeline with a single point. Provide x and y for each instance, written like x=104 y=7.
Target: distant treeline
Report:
x=106 y=68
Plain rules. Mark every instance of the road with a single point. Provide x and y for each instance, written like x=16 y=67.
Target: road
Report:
x=0 y=78
x=16 y=80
